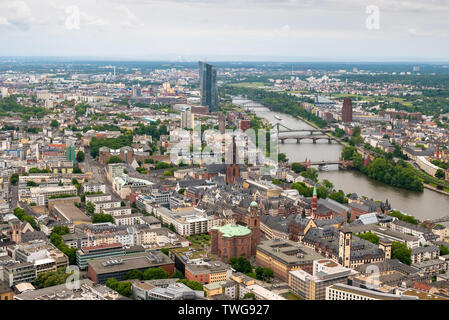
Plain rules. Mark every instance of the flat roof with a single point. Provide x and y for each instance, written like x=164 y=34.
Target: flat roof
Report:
x=70 y=212
x=265 y=293
x=288 y=252
x=139 y=260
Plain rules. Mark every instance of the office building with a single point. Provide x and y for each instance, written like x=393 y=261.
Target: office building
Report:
x=94 y=187
x=283 y=256
x=346 y=111
x=87 y=291
x=152 y=290
x=40 y=195
x=45 y=256
x=313 y=286
x=187 y=119
x=208 y=86
x=340 y=291
x=196 y=265
x=96 y=252
x=99 y=270
x=70 y=154
x=70 y=213
x=19 y=272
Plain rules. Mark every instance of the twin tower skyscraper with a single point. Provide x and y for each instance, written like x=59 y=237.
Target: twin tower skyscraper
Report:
x=208 y=86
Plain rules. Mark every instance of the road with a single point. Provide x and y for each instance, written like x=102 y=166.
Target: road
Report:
x=13 y=195
x=98 y=171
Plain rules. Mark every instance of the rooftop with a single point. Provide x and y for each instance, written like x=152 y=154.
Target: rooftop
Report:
x=131 y=261
x=288 y=252
x=233 y=230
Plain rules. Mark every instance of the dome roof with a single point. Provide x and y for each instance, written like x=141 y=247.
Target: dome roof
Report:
x=254 y=204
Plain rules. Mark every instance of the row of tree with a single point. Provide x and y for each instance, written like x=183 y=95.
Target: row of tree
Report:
x=275 y=101
x=397 y=174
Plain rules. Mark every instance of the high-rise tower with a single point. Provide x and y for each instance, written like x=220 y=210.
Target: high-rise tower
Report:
x=346 y=111
x=208 y=86
x=233 y=168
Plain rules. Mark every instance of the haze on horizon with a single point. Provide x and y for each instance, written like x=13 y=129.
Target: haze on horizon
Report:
x=187 y=30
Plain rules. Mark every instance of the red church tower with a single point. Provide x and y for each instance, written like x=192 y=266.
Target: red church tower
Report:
x=233 y=169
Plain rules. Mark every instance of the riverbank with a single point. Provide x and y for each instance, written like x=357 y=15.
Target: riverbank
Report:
x=428 y=186
x=424 y=205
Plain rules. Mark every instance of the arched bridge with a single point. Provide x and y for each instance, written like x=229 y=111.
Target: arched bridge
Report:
x=314 y=138
x=341 y=163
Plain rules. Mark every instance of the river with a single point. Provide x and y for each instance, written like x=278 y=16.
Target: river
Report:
x=423 y=205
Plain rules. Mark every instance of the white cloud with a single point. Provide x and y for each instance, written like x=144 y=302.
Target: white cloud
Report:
x=16 y=14
x=418 y=33
x=282 y=27
x=286 y=28
x=131 y=21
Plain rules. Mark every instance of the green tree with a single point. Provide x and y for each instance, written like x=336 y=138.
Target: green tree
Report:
x=162 y=165
x=80 y=156
x=302 y=189
x=14 y=178
x=51 y=278
x=32 y=184
x=123 y=288
x=440 y=174
x=282 y=157
x=77 y=170
x=23 y=216
x=241 y=264
x=155 y=273
x=54 y=123
x=311 y=174
x=338 y=196
x=90 y=207
x=56 y=240
x=134 y=274
x=371 y=237
x=178 y=274
x=321 y=192
x=114 y=159
x=328 y=184
x=172 y=228
x=298 y=167
x=61 y=230
x=401 y=252
x=194 y=285
x=444 y=250
x=249 y=295
x=101 y=217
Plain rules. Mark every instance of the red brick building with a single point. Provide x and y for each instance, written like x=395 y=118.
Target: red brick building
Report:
x=233 y=168
x=231 y=241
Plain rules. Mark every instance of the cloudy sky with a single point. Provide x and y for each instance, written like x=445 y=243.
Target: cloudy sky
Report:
x=408 y=30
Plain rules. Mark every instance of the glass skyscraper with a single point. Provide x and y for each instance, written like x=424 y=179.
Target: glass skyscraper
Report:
x=208 y=86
